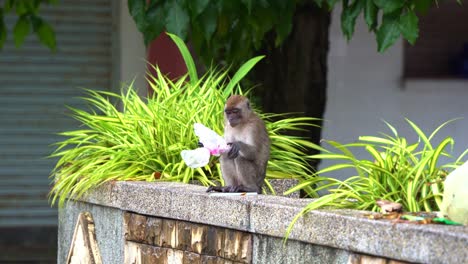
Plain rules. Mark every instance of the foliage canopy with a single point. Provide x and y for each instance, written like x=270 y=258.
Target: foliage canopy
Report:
x=219 y=27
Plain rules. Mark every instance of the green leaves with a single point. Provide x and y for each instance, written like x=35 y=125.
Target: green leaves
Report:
x=397 y=17
x=284 y=22
x=3 y=29
x=187 y=56
x=153 y=18
x=370 y=14
x=21 y=30
x=389 y=6
x=137 y=11
x=423 y=6
x=154 y=25
x=396 y=171
x=410 y=174
x=221 y=30
x=144 y=140
x=349 y=15
x=388 y=32
x=9 y=5
x=27 y=12
x=45 y=32
x=240 y=74
x=395 y=24
x=409 y=26
x=232 y=31
x=198 y=6
x=147 y=21
x=177 y=19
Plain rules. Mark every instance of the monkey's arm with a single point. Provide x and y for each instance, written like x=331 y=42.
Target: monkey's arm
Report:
x=244 y=150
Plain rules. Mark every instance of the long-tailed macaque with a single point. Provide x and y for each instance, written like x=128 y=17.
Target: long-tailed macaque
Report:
x=243 y=167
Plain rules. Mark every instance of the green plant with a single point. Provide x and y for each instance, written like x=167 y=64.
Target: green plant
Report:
x=27 y=12
x=143 y=141
x=219 y=28
x=407 y=173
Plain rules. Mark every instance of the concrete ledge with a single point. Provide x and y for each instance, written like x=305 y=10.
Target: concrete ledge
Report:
x=271 y=215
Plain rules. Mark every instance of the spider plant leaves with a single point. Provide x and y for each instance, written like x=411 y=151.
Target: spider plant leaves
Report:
x=188 y=59
x=438 y=152
x=142 y=139
x=420 y=133
x=376 y=140
x=442 y=126
x=240 y=74
x=398 y=171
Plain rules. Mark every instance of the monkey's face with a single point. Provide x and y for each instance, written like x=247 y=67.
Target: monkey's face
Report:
x=233 y=116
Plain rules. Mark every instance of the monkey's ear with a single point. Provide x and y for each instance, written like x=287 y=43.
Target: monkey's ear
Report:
x=248 y=104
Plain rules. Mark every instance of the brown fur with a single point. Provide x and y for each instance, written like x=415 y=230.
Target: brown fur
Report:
x=234 y=100
x=245 y=170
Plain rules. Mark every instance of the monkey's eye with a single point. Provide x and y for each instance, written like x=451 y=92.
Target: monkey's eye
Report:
x=232 y=111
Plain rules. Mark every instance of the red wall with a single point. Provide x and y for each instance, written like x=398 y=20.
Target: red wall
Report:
x=164 y=53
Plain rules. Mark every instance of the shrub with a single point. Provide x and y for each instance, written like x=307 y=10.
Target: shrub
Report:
x=143 y=140
x=407 y=173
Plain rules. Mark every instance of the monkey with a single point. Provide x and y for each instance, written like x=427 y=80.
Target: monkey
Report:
x=243 y=166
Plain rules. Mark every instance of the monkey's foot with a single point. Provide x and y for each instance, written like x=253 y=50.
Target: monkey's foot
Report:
x=228 y=189
x=214 y=189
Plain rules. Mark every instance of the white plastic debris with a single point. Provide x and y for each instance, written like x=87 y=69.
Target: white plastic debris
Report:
x=213 y=144
x=210 y=140
x=455 y=200
x=196 y=158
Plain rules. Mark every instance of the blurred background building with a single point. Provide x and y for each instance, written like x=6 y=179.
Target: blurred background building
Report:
x=426 y=83
x=98 y=46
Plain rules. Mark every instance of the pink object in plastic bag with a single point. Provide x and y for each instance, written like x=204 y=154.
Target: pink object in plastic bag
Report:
x=213 y=144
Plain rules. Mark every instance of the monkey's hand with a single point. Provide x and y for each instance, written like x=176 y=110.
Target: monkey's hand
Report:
x=234 y=150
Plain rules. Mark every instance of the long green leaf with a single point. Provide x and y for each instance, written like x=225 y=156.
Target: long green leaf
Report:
x=437 y=153
x=420 y=134
x=187 y=56
x=442 y=126
x=240 y=74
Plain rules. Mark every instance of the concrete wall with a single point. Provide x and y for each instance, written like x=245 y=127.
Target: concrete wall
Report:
x=366 y=87
x=338 y=236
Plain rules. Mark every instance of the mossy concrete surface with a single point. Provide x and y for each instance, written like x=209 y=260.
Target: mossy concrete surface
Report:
x=335 y=235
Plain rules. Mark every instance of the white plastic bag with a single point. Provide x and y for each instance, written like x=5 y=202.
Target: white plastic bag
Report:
x=213 y=144
x=196 y=158
x=210 y=140
x=455 y=198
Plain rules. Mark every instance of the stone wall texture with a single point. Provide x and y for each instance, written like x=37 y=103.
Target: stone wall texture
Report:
x=137 y=222
x=156 y=240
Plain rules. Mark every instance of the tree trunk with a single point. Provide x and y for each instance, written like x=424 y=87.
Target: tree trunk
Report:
x=294 y=75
